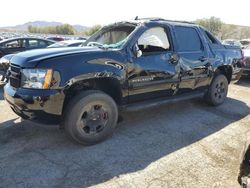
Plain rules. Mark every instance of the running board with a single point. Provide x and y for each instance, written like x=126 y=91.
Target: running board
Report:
x=161 y=101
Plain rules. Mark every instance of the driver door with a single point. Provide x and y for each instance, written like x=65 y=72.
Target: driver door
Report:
x=152 y=74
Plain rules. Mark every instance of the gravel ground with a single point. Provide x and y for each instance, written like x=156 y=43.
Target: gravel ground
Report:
x=187 y=144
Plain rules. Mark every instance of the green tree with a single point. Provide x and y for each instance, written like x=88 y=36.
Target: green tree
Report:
x=92 y=30
x=64 y=29
x=213 y=24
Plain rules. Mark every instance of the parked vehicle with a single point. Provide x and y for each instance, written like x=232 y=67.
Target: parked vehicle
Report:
x=4 y=65
x=232 y=42
x=124 y=66
x=245 y=43
x=15 y=45
x=67 y=43
x=246 y=67
x=80 y=38
x=56 y=39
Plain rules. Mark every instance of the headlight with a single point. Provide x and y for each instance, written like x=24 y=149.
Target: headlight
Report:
x=36 y=78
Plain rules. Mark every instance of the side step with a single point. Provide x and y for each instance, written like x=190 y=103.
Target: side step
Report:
x=161 y=101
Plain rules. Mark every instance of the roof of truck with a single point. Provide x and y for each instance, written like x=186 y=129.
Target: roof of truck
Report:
x=137 y=21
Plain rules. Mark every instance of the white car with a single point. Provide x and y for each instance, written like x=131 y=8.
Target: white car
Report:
x=232 y=42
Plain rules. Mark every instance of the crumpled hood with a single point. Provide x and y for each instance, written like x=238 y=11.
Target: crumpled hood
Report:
x=29 y=59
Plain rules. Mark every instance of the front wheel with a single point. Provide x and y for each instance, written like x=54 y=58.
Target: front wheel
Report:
x=217 y=91
x=91 y=117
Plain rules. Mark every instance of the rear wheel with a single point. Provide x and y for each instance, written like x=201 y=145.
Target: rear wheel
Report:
x=217 y=91
x=91 y=117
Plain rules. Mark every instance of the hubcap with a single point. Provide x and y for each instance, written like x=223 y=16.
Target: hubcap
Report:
x=94 y=119
x=220 y=90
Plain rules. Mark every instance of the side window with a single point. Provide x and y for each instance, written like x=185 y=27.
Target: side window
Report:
x=12 y=44
x=187 y=39
x=154 y=40
x=211 y=39
x=42 y=44
x=33 y=43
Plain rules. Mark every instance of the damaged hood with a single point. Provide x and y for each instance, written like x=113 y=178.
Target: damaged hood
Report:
x=30 y=59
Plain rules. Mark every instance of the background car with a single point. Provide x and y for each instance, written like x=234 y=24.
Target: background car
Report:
x=67 y=43
x=245 y=42
x=15 y=45
x=232 y=42
x=56 y=39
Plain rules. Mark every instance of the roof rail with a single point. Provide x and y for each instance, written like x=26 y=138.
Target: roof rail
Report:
x=161 y=19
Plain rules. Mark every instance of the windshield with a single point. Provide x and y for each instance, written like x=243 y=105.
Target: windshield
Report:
x=111 y=37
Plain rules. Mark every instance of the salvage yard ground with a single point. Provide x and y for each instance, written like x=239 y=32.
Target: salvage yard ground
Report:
x=187 y=144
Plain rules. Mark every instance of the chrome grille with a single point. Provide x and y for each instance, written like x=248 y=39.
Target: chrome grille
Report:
x=15 y=75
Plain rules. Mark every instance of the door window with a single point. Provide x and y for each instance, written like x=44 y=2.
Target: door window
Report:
x=154 y=40
x=12 y=44
x=187 y=39
x=33 y=43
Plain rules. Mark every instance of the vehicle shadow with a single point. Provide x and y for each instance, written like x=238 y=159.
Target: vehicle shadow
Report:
x=244 y=81
x=35 y=154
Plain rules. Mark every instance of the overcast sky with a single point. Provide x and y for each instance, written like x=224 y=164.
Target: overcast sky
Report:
x=90 y=12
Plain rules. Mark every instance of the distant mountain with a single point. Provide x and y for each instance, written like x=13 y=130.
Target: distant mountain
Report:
x=24 y=27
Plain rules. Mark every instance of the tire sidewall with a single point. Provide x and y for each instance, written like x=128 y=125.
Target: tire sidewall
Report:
x=212 y=99
x=75 y=110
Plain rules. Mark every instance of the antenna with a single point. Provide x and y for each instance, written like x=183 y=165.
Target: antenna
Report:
x=136 y=18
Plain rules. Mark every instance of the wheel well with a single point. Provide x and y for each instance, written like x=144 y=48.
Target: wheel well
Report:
x=227 y=71
x=109 y=86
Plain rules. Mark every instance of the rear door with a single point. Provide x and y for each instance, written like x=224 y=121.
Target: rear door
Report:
x=193 y=58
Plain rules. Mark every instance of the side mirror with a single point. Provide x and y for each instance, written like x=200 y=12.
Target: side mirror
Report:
x=136 y=51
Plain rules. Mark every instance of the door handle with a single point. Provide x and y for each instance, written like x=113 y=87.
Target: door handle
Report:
x=174 y=58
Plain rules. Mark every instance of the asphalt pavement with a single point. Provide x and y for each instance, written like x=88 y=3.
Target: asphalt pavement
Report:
x=186 y=144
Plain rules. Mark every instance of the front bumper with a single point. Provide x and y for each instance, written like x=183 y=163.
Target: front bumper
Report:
x=42 y=105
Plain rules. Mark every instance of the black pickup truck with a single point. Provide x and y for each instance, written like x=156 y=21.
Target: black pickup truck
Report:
x=124 y=66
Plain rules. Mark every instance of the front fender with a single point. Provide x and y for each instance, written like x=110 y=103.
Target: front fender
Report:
x=100 y=68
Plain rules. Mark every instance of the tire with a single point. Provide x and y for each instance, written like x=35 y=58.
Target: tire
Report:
x=217 y=91
x=90 y=117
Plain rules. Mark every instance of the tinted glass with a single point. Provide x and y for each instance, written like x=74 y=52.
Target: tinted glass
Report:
x=42 y=44
x=33 y=43
x=12 y=44
x=187 y=39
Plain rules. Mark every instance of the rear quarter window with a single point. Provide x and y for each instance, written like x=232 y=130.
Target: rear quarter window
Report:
x=188 y=39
